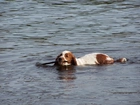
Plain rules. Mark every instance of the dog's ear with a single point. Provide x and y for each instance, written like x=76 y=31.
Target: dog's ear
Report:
x=73 y=61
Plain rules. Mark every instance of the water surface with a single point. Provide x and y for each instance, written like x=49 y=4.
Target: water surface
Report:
x=38 y=30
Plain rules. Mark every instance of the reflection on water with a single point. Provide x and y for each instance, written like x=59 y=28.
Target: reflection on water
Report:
x=66 y=73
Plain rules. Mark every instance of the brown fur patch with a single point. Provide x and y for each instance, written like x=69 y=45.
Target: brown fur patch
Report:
x=104 y=59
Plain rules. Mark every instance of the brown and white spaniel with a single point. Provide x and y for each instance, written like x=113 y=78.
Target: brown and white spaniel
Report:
x=67 y=58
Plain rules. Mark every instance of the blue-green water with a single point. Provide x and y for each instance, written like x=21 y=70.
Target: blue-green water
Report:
x=38 y=30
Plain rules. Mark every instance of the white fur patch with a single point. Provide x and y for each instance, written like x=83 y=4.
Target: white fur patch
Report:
x=89 y=59
x=124 y=59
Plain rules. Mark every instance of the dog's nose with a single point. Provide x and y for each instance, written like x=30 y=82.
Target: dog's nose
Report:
x=60 y=59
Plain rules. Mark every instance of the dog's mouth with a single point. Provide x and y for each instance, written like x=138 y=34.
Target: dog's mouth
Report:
x=65 y=63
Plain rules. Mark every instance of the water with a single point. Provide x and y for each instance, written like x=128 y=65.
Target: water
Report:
x=38 y=30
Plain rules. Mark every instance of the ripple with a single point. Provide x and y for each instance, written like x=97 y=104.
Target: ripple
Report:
x=126 y=92
x=38 y=30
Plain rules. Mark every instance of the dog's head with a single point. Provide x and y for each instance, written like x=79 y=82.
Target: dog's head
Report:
x=66 y=58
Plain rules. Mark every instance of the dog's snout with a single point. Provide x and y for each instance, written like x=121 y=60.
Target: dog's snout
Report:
x=60 y=59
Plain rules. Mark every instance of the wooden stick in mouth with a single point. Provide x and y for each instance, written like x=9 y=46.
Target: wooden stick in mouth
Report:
x=43 y=64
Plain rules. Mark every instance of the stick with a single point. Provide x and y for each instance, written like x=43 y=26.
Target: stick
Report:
x=43 y=64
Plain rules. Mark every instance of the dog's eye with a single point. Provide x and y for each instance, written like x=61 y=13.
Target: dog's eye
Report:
x=66 y=55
